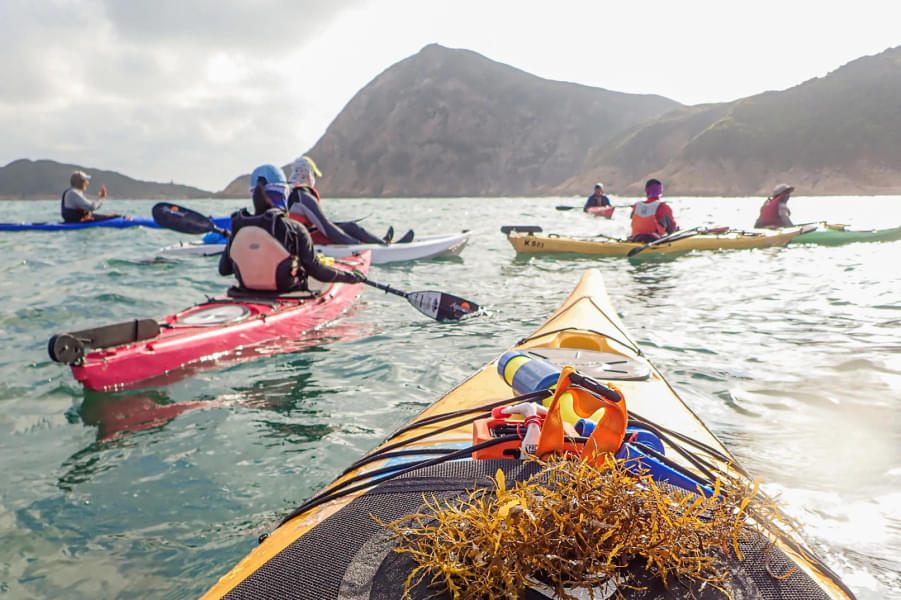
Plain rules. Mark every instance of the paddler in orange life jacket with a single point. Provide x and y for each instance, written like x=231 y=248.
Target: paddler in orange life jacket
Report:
x=775 y=213
x=652 y=218
x=304 y=205
x=268 y=250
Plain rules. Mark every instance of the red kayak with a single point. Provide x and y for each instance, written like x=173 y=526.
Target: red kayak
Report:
x=601 y=211
x=126 y=354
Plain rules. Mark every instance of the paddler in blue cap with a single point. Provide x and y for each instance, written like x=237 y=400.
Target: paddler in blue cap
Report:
x=268 y=250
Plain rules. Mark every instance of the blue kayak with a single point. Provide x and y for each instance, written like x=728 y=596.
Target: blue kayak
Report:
x=117 y=222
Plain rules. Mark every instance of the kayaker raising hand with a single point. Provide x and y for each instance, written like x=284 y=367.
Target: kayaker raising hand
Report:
x=75 y=207
x=268 y=250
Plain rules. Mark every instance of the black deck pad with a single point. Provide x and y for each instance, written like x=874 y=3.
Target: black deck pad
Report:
x=350 y=556
x=239 y=293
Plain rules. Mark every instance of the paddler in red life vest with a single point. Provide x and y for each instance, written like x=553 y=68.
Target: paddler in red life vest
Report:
x=775 y=213
x=652 y=218
x=268 y=250
x=304 y=205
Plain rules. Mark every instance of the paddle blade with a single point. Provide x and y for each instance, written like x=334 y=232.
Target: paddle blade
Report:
x=179 y=218
x=442 y=306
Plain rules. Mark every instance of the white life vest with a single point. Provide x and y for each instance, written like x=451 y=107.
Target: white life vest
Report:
x=257 y=256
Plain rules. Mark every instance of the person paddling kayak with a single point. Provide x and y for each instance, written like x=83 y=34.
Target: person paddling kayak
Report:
x=597 y=198
x=75 y=207
x=652 y=218
x=775 y=213
x=269 y=251
x=304 y=205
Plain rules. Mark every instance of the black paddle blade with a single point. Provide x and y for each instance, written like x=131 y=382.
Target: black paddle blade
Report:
x=179 y=218
x=442 y=306
x=675 y=236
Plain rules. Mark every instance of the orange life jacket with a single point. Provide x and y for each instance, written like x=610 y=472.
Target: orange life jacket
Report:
x=644 y=219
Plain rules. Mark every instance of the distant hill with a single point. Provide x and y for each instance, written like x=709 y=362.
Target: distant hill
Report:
x=46 y=180
x=838 y=134
x=450 y=122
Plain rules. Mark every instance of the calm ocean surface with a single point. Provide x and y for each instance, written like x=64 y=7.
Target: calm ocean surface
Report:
x=792 y=356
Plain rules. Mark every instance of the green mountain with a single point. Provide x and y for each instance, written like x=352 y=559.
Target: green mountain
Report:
x=838 y=134
x=46 y=180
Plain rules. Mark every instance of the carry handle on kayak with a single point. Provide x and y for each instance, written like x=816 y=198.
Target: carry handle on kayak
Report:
x=68 y=348
x=508 y=229
x=595 y=387
x=184 y=220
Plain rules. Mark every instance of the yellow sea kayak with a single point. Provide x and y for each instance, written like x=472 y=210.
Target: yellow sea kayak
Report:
x=336 y=545
x=530 y=240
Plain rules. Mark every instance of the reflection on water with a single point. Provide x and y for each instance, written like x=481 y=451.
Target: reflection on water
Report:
x=113 y=414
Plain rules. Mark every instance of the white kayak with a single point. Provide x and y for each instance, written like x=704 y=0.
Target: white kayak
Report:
x=420 y=248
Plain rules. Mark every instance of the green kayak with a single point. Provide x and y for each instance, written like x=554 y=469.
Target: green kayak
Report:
x=837 y=235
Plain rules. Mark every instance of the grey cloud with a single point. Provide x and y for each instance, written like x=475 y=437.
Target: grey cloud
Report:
x=253 y=27
x=123 y=84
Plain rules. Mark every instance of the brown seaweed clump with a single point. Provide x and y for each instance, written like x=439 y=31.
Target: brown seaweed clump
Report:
x=574 y=525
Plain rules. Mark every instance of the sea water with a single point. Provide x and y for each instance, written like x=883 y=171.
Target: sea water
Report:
x=792 y=356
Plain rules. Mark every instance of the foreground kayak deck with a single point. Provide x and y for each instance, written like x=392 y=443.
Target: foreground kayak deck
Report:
x=115 y=223
x=213 y=330
x=333 y=547
x=536 y=243
x=419 y=249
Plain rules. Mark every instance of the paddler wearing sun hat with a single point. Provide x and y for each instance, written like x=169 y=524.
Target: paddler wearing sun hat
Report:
x=304 y=206
x=75 y=207
x=775 y=213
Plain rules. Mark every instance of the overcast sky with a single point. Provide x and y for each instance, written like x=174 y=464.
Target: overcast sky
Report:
x=200 y=91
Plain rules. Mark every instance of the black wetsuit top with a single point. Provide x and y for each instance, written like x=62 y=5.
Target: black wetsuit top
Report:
x=290 y=274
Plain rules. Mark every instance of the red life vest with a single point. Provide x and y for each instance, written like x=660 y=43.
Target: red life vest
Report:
x=769 y=214
x=315 y=234
x=644 y=219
